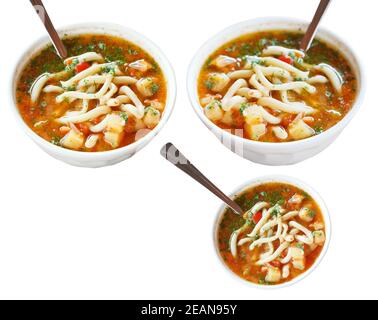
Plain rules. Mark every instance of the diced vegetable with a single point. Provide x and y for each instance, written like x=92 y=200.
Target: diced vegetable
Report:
x=274 y=275
x=319 y=238
x=298 y=257
x=286 y=59
x=73 y=140
x=214 y=111
x=82 y=67
x=152 y=118
x=299 y=130
x=306 y=214
x=257 y=217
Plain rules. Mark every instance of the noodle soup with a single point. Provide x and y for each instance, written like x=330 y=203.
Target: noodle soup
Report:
x=280 y=238
x=106 y=96
x=260 y=86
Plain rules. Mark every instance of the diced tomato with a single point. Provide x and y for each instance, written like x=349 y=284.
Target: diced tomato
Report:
x=276 y=264
x=98 y=120
x=285 y=253
x=264 y=270
x=64 y=130
x=82 y=66
x=286 y=59
x=257 y=217
x=83 y=129
x=132 y=72
x=288 y=119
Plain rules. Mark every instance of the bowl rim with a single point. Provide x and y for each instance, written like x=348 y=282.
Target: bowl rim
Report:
x=195 y=68
x=64 y=31
x=286 y=180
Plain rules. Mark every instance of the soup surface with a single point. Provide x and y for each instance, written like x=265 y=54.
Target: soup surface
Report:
x=107 y=95
x=262 y=88
x=279 y=238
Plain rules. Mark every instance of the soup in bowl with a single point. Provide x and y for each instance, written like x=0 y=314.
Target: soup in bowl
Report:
x=103 y=103
x=282 y=237
x=252 y=84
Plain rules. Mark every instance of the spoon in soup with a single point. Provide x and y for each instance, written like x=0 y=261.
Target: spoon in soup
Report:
x=173 y=155
x=54 y=36
x=313 y=28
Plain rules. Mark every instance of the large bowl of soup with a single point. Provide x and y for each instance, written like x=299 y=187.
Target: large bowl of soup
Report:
x=101 y=105
x=282 y=237
x=268 y=101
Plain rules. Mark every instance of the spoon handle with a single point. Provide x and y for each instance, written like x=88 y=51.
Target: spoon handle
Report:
x=173 y=155
x=311 y=32
x=57 y=42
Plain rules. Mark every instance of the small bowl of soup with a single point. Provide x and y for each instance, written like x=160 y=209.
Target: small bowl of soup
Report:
x=282 y=237
x=101 y=105
x=267 y=100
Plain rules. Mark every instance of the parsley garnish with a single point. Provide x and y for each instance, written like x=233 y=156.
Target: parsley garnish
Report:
x=55 y=140
x=243 y=107
x=209 y=84
x=124 y=116
x=154 y=88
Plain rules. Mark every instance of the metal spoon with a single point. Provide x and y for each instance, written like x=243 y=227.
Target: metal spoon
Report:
x=313 y=28
x=173 y=155
x=57 y=42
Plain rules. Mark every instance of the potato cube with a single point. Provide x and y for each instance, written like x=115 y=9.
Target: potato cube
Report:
x=255 y=132
x=152 y=118
x=228 y=118
x=306 y=214
x=113 y=138
x=217 y=82
x=214 y=112
x=299 y=130
x=73 y=140
x=298 y=258
x=253 y=116
x=296 y=199
x=116 y=124
x=274 y=275
x=317 y=226
x=147 y=87
x=319 y=238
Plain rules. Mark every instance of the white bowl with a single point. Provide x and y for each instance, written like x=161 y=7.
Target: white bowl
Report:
x=98 y=159
x=274 y=154
x=286 y=180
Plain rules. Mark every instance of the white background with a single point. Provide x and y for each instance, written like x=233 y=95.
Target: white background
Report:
x=142 y=229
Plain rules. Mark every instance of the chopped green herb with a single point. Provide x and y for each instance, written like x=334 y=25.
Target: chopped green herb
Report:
x=133 y=52
x=231 y=49
x=102 y=46
x=262 y=281
x=91 y=47
x=243 y=107
x=152 y=110
x=319 y=129
x=55 y=141
x=110 y=69
x=155 y=88
x=300 y=246
x=124 y=116
x=209 y=84
x=276 y=211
